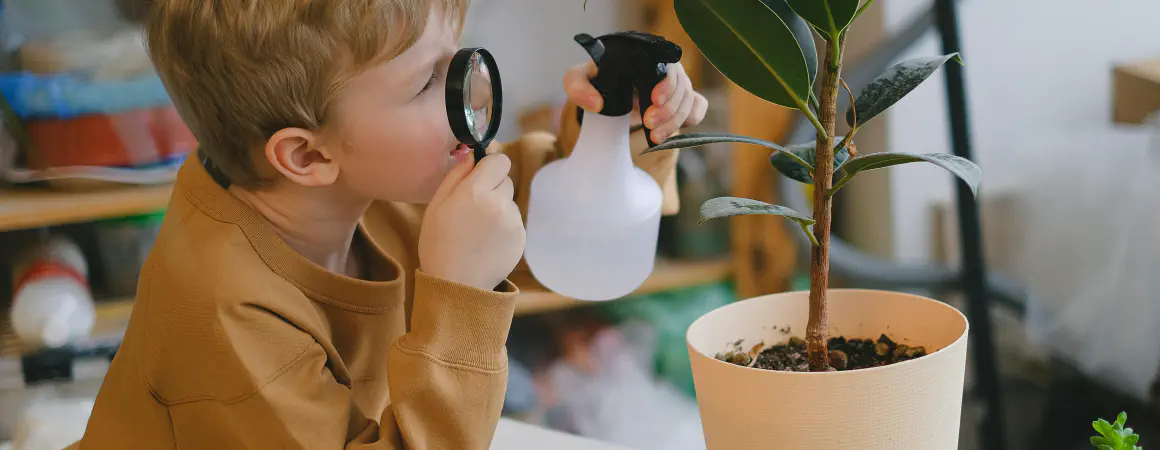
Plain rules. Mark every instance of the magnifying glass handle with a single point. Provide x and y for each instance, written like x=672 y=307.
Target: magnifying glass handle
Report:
x=480 y=151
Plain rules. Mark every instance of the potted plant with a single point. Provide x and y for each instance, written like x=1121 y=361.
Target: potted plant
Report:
x=1113 y=436
x=876 y=369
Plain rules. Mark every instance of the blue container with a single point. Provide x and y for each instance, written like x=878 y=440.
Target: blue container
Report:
x=64 y=96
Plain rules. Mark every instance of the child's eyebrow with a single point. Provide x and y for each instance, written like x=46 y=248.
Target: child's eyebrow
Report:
x=427 y=65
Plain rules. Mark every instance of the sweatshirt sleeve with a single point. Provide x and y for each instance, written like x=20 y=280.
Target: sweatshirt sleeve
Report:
x=447 y=377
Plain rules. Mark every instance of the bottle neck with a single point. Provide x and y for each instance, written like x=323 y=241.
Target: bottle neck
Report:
x=603 y=148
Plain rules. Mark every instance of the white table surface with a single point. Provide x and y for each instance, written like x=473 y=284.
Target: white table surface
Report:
x=515 y=435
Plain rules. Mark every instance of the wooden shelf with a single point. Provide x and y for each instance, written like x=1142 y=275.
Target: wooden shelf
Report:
x=668 y=275
x=113 y=315
x=35 y=208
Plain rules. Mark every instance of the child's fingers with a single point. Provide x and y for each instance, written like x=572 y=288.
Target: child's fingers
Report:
x=578 y=86
x=678 y=118
x=490 y=172
x=506 y=189
x=659 y=113
x=451 y=180
x=697 y=114
x=664 y=90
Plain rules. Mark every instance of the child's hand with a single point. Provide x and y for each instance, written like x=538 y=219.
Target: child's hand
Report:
x=675 y=103
x=472 y=232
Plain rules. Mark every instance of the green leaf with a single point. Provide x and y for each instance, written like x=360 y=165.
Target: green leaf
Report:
x=750 y=45
x=893 y=85
x=786 y=161
x=960 y=167
x=832 y=16
x=1100 y=440
x=801 y=31
x=1121 y=419
x=697 y=139
x=734 y=206
x=1103 y=427
x=1105 y=447
x=1132 y=440
x=861 y=9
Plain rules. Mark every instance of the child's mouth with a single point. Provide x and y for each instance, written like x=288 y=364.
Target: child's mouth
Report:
x=460 y=150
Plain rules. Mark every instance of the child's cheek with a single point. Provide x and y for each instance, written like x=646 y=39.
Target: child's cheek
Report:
x=435 y=131
x=431 y=143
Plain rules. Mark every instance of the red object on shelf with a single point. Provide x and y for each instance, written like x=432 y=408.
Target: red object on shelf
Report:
x=132 y=138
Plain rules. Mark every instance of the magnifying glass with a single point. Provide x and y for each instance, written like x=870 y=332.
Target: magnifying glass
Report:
x=474 y=99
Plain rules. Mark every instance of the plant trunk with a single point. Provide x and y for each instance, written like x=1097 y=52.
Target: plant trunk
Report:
x=818 y=324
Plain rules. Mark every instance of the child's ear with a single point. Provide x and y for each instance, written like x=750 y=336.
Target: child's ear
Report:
x=299 y=156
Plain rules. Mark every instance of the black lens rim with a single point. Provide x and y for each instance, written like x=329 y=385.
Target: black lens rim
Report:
x=456 y=76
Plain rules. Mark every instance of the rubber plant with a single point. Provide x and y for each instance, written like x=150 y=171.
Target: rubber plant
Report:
x=767 y=47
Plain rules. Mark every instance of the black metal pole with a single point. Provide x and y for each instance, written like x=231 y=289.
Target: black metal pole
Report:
x=974 y=271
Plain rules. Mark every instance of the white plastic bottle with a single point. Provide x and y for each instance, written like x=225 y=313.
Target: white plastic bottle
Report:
x=593 y=217
x=52 y=306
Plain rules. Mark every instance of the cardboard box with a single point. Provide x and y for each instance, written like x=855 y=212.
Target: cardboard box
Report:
x=1135 y=91
x=1002 y=226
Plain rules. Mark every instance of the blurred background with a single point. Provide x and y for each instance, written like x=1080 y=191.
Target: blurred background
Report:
x=1061 y=99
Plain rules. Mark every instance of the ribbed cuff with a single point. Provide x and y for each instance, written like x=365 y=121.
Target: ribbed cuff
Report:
x=460 y=324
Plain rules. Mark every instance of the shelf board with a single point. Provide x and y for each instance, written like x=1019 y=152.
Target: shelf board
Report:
x=35 y=208
x=113 y=315
x=668 y=275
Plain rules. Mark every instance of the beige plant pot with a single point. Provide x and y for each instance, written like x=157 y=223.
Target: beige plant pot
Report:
x=914 y=404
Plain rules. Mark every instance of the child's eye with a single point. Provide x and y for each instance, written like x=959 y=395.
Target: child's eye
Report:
x=430 y=83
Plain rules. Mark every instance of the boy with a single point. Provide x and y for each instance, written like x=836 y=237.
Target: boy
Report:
x=297 y=297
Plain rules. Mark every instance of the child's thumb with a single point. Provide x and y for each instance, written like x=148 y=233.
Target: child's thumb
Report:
x=452 y=180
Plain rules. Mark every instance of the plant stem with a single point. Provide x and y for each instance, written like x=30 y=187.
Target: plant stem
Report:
x=810 y=233
x=861 y=10
x=853 y=128
x=818 y=323
x=834 y=190
x=833 y=64
x=805 y=109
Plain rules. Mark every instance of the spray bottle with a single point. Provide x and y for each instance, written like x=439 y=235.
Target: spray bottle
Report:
x=593 y=217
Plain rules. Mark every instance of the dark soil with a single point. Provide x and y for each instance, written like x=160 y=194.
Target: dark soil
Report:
x=845 y=354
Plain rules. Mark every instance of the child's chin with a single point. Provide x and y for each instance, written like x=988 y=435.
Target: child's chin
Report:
x=414 y=190
x=423 y=200
x=416 y=197
x=420 y=196
x=424 y=197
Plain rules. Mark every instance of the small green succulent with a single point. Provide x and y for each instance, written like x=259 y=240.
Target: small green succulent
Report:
x=1113 y=436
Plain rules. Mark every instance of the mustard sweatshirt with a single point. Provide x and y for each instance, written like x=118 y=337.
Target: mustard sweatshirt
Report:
x=237 y=341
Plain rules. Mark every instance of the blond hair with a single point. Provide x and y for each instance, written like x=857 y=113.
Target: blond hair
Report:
x=240 y=70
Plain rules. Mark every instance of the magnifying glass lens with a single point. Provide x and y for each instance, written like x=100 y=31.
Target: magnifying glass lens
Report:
x=477 y=96
x=474 y=98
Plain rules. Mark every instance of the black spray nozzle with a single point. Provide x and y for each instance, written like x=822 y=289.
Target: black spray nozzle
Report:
x=628 y=61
